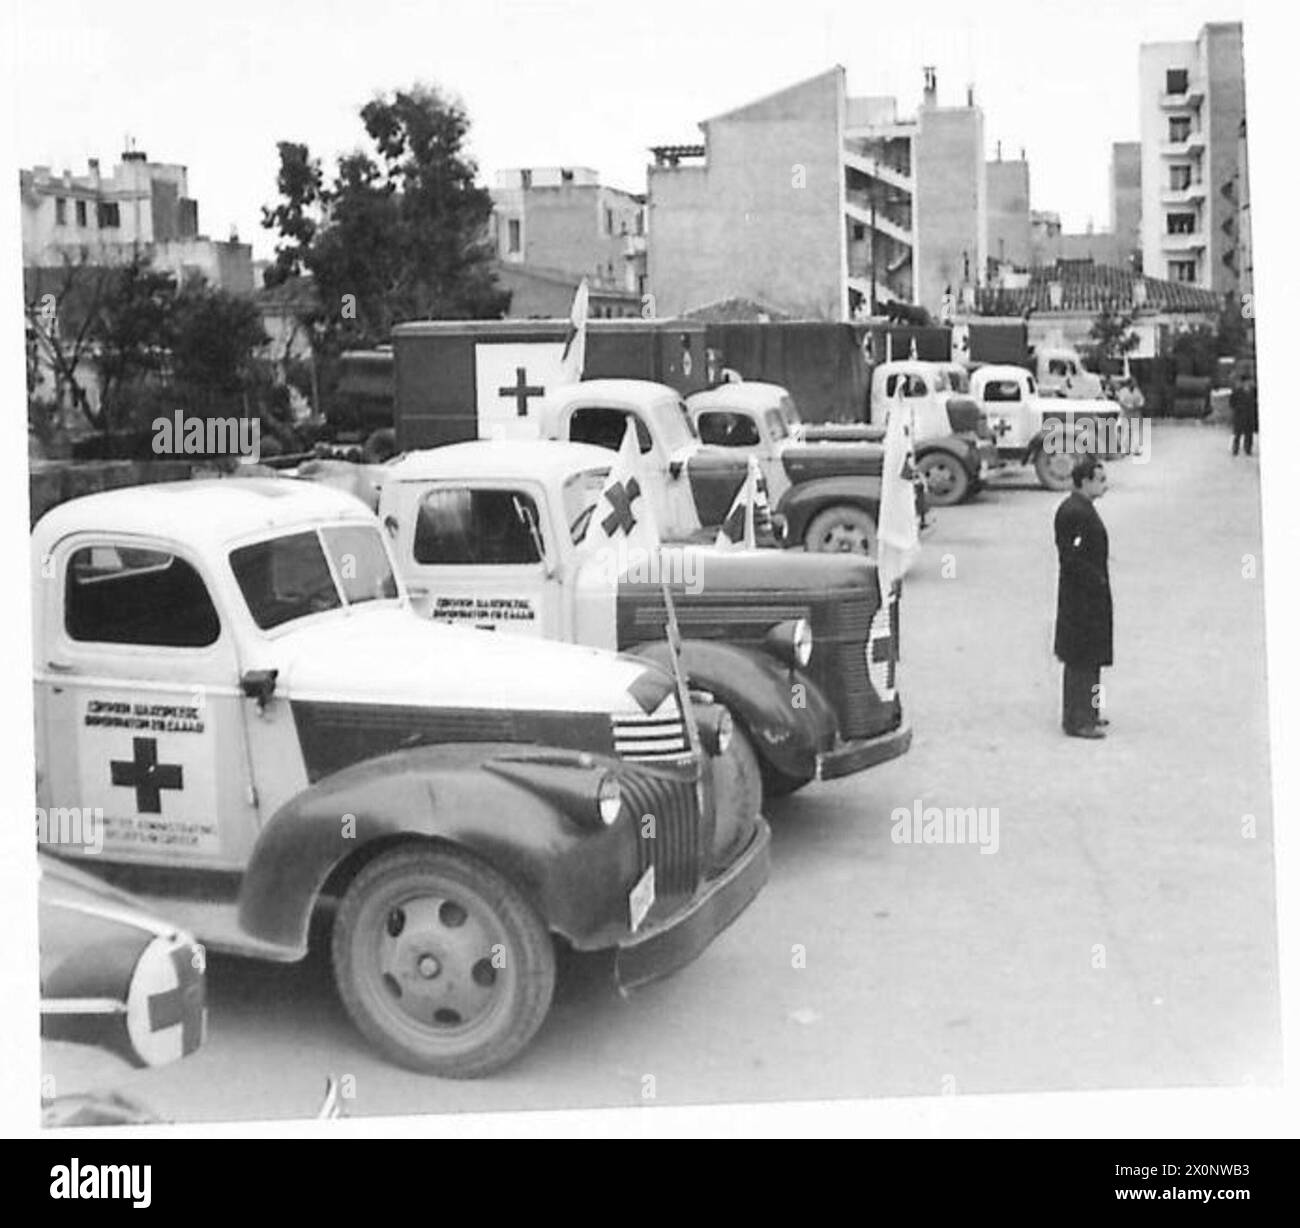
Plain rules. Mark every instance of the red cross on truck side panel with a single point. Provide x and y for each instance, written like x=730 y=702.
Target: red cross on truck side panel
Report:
x=146 y=775
x=521 y=390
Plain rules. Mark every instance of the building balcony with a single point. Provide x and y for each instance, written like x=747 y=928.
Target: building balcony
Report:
x=1192 y=242
x=1189 y=195
x=1192 y=147
x=873 y=168
x=884 y=225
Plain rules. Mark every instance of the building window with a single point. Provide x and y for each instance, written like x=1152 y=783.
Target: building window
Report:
x=1180 y=128
x=640 y=221
x=1180 y=223
x=1180 y=178
x=60 y=211
x=81 y=213
x=1176 y=81
x=513 y=236
x=859 y=232
x=1182 y=270
x=609 y=221
x=108 y=214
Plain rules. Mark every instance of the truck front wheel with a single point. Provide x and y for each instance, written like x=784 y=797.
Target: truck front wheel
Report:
x=1053 y=469
x=842 y=530
x=946 y=480
x=441 y=962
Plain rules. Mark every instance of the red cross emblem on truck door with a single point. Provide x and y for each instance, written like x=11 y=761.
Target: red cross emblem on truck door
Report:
x=146 y=775
x=521 y=390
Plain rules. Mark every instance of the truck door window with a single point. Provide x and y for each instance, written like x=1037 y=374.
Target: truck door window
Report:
x=1002 y=390
x=915 y=386
x=1057 y=366
x=458 y=526
x=891 y=384
x=605 y=427
x=727 y=429
x=118 y=594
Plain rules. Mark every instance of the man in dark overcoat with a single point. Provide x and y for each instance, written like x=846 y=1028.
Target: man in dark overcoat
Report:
x=1084 y=616
x=1244 y=404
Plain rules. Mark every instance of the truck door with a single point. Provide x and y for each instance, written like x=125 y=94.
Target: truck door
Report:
x=144 y=718
x=1004 y=403
x=477 y=554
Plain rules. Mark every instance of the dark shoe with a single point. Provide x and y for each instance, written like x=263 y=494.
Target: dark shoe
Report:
x=1102 y=723
x=1088 y=731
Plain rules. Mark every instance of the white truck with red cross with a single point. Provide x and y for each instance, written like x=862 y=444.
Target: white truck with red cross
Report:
x=231 y=677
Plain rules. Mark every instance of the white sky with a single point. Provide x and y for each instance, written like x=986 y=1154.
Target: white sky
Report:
x=564 y=81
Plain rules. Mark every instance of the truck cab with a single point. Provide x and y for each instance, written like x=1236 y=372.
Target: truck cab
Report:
x=829 y=500
x=1022 y=420
x=755 y=624
x=953 y=445
x=1060 y=373
x=231 y=676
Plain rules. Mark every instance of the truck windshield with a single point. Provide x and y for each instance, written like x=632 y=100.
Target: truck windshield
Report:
x=290 y=577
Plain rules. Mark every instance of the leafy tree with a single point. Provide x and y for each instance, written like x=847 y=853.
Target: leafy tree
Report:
x=132 y=331
x=399 y=233
x=214 y=338
x=1112 y=334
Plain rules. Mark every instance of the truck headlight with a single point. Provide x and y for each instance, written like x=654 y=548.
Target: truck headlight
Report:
x=792 y=641
x=803 y=642
x=609 y=800
x=715 y=726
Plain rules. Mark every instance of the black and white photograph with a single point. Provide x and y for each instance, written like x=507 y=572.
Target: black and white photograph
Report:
x=682 y=569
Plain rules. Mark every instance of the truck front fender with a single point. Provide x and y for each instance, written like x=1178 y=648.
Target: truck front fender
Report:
x=520 y=811
x=783 y=710
x=802 y=502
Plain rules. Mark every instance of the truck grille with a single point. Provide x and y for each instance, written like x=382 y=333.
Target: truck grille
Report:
x=681 y=835
x=840 y=663
x=650 y=739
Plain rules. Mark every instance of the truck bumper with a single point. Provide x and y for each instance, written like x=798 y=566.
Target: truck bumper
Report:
x=867 y=752
x=660 y=950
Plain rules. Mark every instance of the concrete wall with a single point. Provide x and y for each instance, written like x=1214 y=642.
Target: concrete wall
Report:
x=951 y=201
x=1222 y=113
x=1008 y=212
x=1126 y=194
x=763 y=217
x=567 y=228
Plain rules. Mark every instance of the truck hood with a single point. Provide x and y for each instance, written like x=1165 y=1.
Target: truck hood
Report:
x=1057 y=407
x=392 y=656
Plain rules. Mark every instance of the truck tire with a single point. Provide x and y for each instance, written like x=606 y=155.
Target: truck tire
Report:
x=738 y=792
x=1053 y=469
x=946 y=480
x=441 y=962
x=843 y=529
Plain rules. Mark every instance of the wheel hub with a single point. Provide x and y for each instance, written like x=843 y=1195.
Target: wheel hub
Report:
x=436 y=962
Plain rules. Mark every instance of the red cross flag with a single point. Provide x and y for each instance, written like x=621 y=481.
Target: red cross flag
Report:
x=574 y=357
x=624 y=517
x=750 y=513
x=897 y=540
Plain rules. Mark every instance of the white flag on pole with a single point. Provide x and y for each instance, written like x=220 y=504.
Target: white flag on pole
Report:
x=896 y=532
x=574 y=357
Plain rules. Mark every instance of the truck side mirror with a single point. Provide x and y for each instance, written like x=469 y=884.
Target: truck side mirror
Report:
x=259 y=684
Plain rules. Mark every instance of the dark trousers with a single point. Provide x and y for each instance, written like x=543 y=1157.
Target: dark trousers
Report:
x=1077 y=691
x=1243 y=432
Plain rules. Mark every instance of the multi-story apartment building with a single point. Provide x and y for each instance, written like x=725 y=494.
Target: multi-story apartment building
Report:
x=1193 y=105
x=555 y=225
x=821 y=205
x=142 y=207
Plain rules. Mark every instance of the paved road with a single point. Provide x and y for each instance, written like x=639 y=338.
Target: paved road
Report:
x=1122 y=936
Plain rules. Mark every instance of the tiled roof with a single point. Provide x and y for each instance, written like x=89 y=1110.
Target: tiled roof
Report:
x=1089 y=287
x=735 y=311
